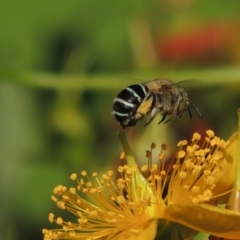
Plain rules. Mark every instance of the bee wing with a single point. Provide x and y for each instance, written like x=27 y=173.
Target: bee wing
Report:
x=162 y=85
x=188 y=83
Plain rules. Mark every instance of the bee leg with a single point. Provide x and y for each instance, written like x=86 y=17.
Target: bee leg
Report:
x=148 y=122
x=154 y=112
x=189 y=111
x=152 y=117
x=169 y=119
x=163 y=118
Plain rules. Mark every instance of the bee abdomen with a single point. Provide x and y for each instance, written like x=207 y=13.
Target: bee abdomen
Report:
x=127 y=102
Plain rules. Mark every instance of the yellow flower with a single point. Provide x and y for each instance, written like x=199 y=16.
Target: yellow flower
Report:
x=151 y=200
x=233 y=202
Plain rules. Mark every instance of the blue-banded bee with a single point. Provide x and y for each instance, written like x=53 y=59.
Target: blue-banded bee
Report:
x=152 y=97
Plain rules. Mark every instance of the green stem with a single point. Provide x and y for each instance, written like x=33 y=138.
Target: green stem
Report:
x=127 y=149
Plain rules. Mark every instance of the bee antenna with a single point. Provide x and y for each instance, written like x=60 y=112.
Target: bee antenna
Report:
x=189 y=111
x=200 y=115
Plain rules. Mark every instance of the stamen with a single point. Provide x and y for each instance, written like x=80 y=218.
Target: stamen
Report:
x=164 y=146
x=73 y=176
x=148 y=154
x=144 y=168
x=182 y=174
x=181 y=154
x=123 y=156
x=59 y=221
x=199 y=169
x=153 y=145
x=51 y=217
x=210 y=133
x=115 y=207
x=196 y=137
x=182 y=143
x=161 y=156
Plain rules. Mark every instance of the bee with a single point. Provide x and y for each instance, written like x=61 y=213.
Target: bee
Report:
x=158 y=96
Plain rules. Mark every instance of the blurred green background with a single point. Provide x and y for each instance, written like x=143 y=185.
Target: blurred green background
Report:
x=63 y=62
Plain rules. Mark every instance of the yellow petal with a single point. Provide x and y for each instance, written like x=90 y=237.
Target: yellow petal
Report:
x=227 y=179
x=148 y=230
x=206 y=218
x=234 y=200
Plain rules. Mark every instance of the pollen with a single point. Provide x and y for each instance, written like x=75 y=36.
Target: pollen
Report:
x=61 y=205
x=163 y=173
x=181 y=154
x=73 y=176
x=82 y=221
x=59 y=221
x=164 y=146
x=161 y=156
x=144 y=168
x=105 y=177
x=51 y=217
x=182 y=174
x=54 y=198
x=198 y=167
x=210 y=180
x=182 y=143
x=148 y=154
x=105 y=205
x=84 y=173
x=72 y=233
x=120 y=169
x=195 y=189
x=175 y=166
x=153 y=145
x=196 y=137
x=93 y=191
x=207 y=193
x=210 y=133
x=122 y=156
x=121 y=200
